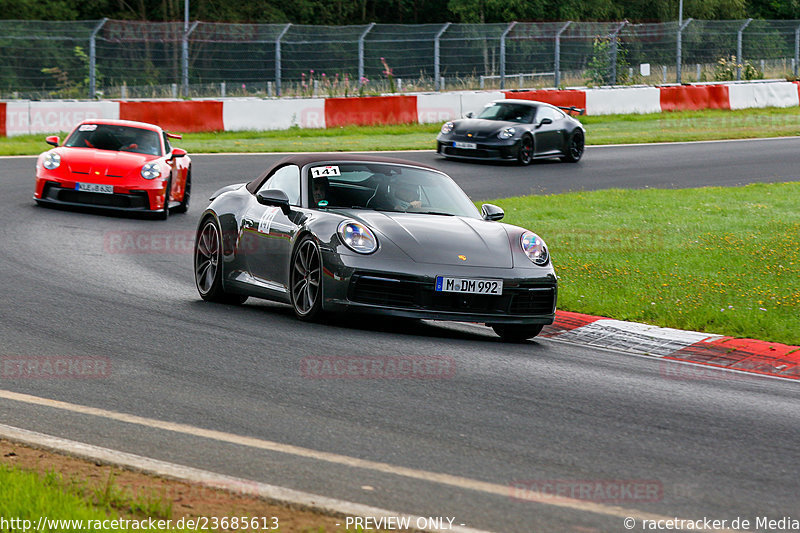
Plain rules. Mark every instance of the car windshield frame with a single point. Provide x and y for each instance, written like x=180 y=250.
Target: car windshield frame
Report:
x=367 y=185
x=519 y=113
x=116 y=138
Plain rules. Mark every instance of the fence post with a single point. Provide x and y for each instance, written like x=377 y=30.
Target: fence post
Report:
x=436 y=77
x=503 y=55
x=612 y=66
x=361 y=51
x=739 y=49
x=679 y=60
x=796 y=49
x=278 y=59
x=557 y=58
x=185 y=56
x=93 y=59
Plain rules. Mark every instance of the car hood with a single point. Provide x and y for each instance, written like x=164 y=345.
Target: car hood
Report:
x=481 y=127
x=104 y=162
x=443 y=240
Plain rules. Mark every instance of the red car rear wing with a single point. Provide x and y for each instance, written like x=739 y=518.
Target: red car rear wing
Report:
x=173 y=135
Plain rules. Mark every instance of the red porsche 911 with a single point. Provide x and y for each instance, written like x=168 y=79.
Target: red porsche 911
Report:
x=115 y=164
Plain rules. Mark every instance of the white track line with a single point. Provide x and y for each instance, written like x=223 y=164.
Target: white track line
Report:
x=375 y=466
x=236 y=485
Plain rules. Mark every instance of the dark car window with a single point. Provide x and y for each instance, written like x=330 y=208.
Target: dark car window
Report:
x=508 y=112
x=167 y=147
x=115 y=137
x=286 y=179
x=376 y=186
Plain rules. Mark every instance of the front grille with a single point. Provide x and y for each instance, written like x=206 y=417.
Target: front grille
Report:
x=533 y=302
x=466 y=152
x=414 y=293
x=383 y=291
x=480 y=303
x=134 y=200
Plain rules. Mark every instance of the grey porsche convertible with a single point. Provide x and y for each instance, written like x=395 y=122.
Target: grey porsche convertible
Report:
x=360 y=234
x=515 y=130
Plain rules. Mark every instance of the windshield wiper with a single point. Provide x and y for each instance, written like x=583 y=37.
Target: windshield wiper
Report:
x=432 y=213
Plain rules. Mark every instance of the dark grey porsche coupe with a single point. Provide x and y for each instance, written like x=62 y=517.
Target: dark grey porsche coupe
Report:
x=515 y=130
x=361 y=234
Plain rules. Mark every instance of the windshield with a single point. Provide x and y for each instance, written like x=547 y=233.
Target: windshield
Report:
x=386 y=187
x=509 y=112
x=116 y=138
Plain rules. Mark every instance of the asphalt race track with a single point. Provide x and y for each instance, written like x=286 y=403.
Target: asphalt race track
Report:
x=719 y=446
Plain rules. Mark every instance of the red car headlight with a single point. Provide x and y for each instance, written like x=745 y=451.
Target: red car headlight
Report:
x=151 y=171
x=51 y=161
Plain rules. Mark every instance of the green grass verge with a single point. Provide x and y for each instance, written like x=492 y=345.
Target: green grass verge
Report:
x=26 y=496
x=608 y=129
x=29 y=496
x=719 y=260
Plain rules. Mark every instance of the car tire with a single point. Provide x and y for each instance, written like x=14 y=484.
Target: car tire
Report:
x=163 y=214
x=305 y=280
x=525 y=153
x=517 y=332
x=575 y=148
x=208 y=265
x=187 y=193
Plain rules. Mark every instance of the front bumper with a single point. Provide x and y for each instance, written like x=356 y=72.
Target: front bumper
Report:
x=149 y=197
x=529 y=294
x=53 y=194
x=496 y=150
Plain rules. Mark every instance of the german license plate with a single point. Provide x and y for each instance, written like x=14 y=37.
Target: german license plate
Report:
x=469 y=285
x=468 y=146
x=94 y=187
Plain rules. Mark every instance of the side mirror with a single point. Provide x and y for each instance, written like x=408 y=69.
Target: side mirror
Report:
x=545 y=121
x=470 y=114
x=178 y=152
x=492 y=212
x=53 y=139
x=274 y=197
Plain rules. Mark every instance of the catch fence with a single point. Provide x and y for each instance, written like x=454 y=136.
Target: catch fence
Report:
x=130 y=59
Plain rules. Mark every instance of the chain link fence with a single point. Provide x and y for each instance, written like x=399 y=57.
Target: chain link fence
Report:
x=129 y=59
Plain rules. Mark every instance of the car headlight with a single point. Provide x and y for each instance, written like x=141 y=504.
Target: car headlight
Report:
x=535 y=248
x=447 y=127
x=358 y=237
x=51 y=161
x=151 y=171
x=506 y=133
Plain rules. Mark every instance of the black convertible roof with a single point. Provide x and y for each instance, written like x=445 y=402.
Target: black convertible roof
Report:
x=307 y=159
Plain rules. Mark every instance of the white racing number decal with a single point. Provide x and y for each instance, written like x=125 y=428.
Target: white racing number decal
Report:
x=332 y=170
x=88 y=127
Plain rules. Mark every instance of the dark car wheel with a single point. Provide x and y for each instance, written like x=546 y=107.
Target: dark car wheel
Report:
x=575 y=148
x=525 y=155
x=187 y=194
x=208 y=265
x=164 y=213
x=517 y=332
x=306 y=280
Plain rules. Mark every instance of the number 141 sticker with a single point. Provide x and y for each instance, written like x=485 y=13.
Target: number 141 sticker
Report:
x=332 y=170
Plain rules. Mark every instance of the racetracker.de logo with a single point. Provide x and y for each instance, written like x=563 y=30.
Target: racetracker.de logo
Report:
x=376 y=367
x=149 y=242
x=54 y=367
x=594 y=490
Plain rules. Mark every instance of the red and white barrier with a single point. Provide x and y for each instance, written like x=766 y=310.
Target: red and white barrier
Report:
x=23 y=117
x=262 y=115
x=745 y=95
